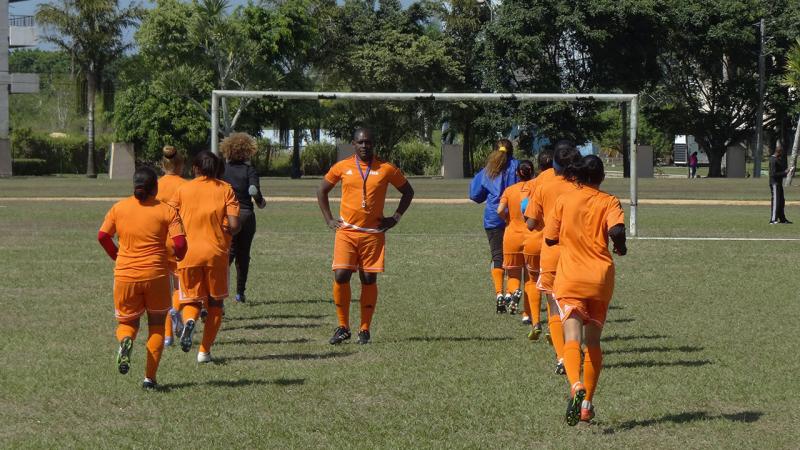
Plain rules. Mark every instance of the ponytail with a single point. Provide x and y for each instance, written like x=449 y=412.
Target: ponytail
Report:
x=497 y=161
x=525 y=170
x=145 y=183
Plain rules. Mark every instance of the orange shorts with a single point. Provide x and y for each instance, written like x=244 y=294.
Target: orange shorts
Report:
x=133 y=298
x=545 y=281
x=198 y=283
x=354 y=250
x=532 y=263
x=592 y=311
x=513 y=260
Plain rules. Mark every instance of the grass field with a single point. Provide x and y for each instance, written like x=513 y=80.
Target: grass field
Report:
x=697 y=347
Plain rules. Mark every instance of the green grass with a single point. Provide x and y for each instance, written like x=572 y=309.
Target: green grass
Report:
x=697 y=348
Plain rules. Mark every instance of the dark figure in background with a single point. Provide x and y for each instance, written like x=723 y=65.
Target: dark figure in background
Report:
x=238 y=148
x=777 y=172
x=693 y=165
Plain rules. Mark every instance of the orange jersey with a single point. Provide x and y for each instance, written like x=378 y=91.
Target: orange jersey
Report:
x=581 y=222
x=517 y=231
x=362 y=206
x=143 y=229
x=204 y=205
x=541 y=208
x=167 y=186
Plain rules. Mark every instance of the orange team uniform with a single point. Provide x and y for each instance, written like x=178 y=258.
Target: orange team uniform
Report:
x=141 y=281
x=167 y=186
x=517 y=231
x=541 y=208
x=204 y=205
x=359 y=244
x=532 y=247
x=584 y=280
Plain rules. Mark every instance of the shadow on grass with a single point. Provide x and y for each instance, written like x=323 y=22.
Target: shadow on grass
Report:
x=241 y=382
x=617 y=307
x=264 y=326
x=613 y=338
x=651 y=363
x=684 y=418
x=681 y=349
x=619 y=320
x=286 y=357
x=262 y=341
x=287 y=302
x=455 y=339
x=279 y=316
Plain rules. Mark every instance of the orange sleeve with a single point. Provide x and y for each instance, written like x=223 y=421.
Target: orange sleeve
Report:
x=553 y=227
x=534 y=210
x=615 y=214
x=334 y=175
x=398 y=179
x=231 y=203
x=175 y=223
x=109 y=225
x=175 y=201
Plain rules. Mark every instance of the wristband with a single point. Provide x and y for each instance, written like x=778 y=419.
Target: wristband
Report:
x=397 y=217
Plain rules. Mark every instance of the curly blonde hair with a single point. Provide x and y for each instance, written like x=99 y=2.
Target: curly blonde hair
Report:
x=238 y=147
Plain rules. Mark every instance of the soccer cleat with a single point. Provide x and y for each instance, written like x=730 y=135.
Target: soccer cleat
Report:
x=587 y=412
x=513 y=302
x=363 y=337
x=203 y=315
x=501 y=304
x=577 y=394
x=149 y=384
x=510 y=306
x=536 y=330
x=124 y=355
x=526 y=320
x=785 y=222
x=168 y=341
x=240 y=298
x=177 y=322
x=186 y=336
x=560 y=369
x=340 y=334
x=204 y=357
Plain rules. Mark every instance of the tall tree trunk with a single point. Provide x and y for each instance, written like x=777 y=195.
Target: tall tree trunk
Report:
x=793 y=158
x=466 y=149
x=298 y=135
x=715 y=153
x=624 y=144
x=91 y=81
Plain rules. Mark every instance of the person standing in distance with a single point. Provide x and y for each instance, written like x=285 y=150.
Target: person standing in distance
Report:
x=777 y=172
x=487 y=186
x=360 y=228
x=238 y=148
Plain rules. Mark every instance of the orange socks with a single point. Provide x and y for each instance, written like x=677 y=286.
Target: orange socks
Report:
x=532 y=301
x=556 y=331
x=168 y=325
x=213 y=322
x=369 y=297
x=341 y=298
x=572 y=361
x=127 y=329
x=513 y=282
x=155 y=345
x=190 y=311
x=592 y=365
x=497 y=278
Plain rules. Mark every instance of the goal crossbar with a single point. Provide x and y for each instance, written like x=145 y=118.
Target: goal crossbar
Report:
x=632 y=99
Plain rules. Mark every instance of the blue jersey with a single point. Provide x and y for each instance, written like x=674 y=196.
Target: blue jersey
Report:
x=489 y=190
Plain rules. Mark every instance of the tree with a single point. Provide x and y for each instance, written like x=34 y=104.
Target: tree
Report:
x=90 y=31
x=792 y=79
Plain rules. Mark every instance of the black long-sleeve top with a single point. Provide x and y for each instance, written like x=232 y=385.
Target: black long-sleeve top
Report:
x=777 y=170
x=241 y=175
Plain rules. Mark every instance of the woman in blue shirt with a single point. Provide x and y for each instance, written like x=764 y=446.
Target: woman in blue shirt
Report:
x=488 y=186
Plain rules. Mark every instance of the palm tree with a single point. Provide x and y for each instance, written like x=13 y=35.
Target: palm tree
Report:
x=90 y=31
x=792 y=79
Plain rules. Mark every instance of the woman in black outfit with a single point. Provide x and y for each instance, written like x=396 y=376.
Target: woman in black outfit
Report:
x=238 y=148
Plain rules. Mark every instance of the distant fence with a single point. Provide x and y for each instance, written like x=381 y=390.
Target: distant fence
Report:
x=21 y=21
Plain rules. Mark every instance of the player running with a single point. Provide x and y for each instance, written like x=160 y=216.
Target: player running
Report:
x=210 y=214
x=360 y=228
x=582 y=223
x=532 y=249
x=487 y=186
x=510 y=208
x=172 y=164
x=141 y=271
x=539 y=212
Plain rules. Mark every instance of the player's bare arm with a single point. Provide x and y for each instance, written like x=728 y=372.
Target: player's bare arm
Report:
x=407 y=194
x=324 y=189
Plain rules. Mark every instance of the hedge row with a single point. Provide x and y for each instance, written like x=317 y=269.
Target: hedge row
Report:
x=30 y=166
x=61 y=155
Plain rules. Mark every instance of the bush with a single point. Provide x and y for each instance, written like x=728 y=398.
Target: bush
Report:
x=62 y=155
x=415 y=157
x=29 y=166
x=317 y=158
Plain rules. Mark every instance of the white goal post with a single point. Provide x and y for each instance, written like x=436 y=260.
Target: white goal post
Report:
x=632 y=99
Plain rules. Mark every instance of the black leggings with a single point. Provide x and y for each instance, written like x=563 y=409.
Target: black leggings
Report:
x=495 y=236
x=777 y=203
x=240 y=248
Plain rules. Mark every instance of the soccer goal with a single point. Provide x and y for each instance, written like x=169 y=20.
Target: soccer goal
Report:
x=632 y=99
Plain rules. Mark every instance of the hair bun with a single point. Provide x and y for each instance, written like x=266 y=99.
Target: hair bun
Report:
x=169 y=151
